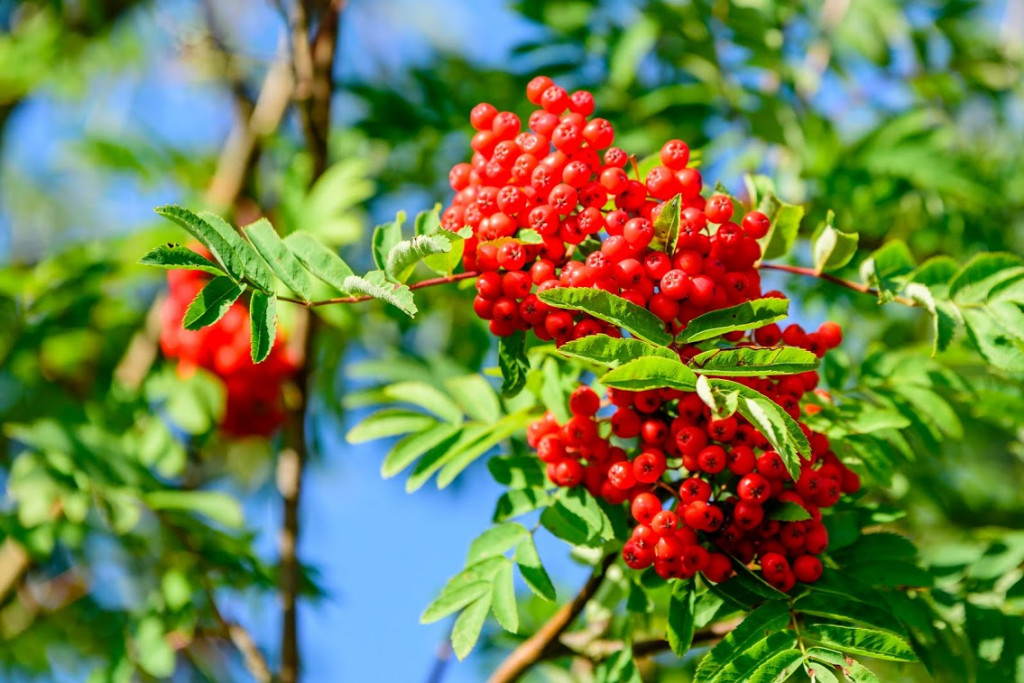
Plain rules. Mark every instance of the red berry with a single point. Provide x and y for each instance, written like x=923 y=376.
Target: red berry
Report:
x=807 y=568
x=584 y=401
x=753 y=487
x=482 y=116
x=675 y=154
x=536 y=87
x=644 y=507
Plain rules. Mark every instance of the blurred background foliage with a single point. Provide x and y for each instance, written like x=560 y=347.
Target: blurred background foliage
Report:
x=121 y=513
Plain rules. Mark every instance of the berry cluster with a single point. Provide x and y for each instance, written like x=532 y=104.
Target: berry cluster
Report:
x=704 y=491
x=253 y=391
x=532 y=198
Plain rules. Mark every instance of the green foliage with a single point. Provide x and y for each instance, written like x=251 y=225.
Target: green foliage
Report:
x=745 y=316
x=636 y=320
x=784 y=360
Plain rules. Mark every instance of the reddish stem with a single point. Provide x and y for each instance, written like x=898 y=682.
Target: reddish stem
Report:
x=855 y=286
x=366 y=297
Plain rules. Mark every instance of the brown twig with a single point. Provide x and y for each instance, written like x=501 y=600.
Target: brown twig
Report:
x=599 y=650
x=14 y=562
x=545 y=641
x=237 y=634
x=314 y=77
x=855 y=286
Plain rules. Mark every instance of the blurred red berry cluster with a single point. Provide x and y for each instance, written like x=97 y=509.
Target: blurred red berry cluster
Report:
x=703 y=491
x=254 y=406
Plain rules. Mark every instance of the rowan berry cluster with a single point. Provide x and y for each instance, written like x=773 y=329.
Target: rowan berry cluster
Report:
x=702 y=490
x=253 y=391
x=533 y=198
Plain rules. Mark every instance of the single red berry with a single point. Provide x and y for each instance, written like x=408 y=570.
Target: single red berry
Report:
x=536 y=87
x=756 y=224
x=807 y=568
x=644 y=507
x=482 y=116
x=584 y=401
x=675 y=154
x=754 y=487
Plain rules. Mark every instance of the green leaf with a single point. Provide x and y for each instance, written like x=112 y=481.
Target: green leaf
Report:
x=852 y=670
x=770 y=617
x=461 y=457
x=833 y=248
x=997 y=343
x=649 y=373
x=455 y=598
x=754 y=362
x=466 y=630
x=280 y=258
x=411 y=447
x=209 y=236
x=666 y=227
x=612 y=351
x=886 y=269
x=513 y=363
x=389 y=422
x=428 y=222
x=496 y=541
x=889 y=545
x=936 y=271
x=619 y=668
x=747 y=664
x=841 y=608
x=789 y=511
x=385 y=237
x=503 y=599
x=638 y=321
x=154 y=653
x=440 y=455
x=255 y=269
x=745 y=316
x=425 y=396
x=220 y=507
x=946 y=318
x=176 y=589
x=785 y=223
x=779 y=667
x=212 y=302
x=583 y=505
x=403 y=257
x=375 y=284
x=463 y=588
x=681 y=624
x=171 y=256
x=861 y=641
x=566 y=525
x=516 y=502
x=975 y=281
x=319 y=260
x=263 y=324
x=891 y=574
x=532 y=569
x=475 y=397
x=722 y=403
x=781 y=430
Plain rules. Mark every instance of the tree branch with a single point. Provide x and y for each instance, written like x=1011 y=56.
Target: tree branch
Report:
x=314 y=73
x=855 y=286
x=237 y=634
x=14 y=562
x=545 y=641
